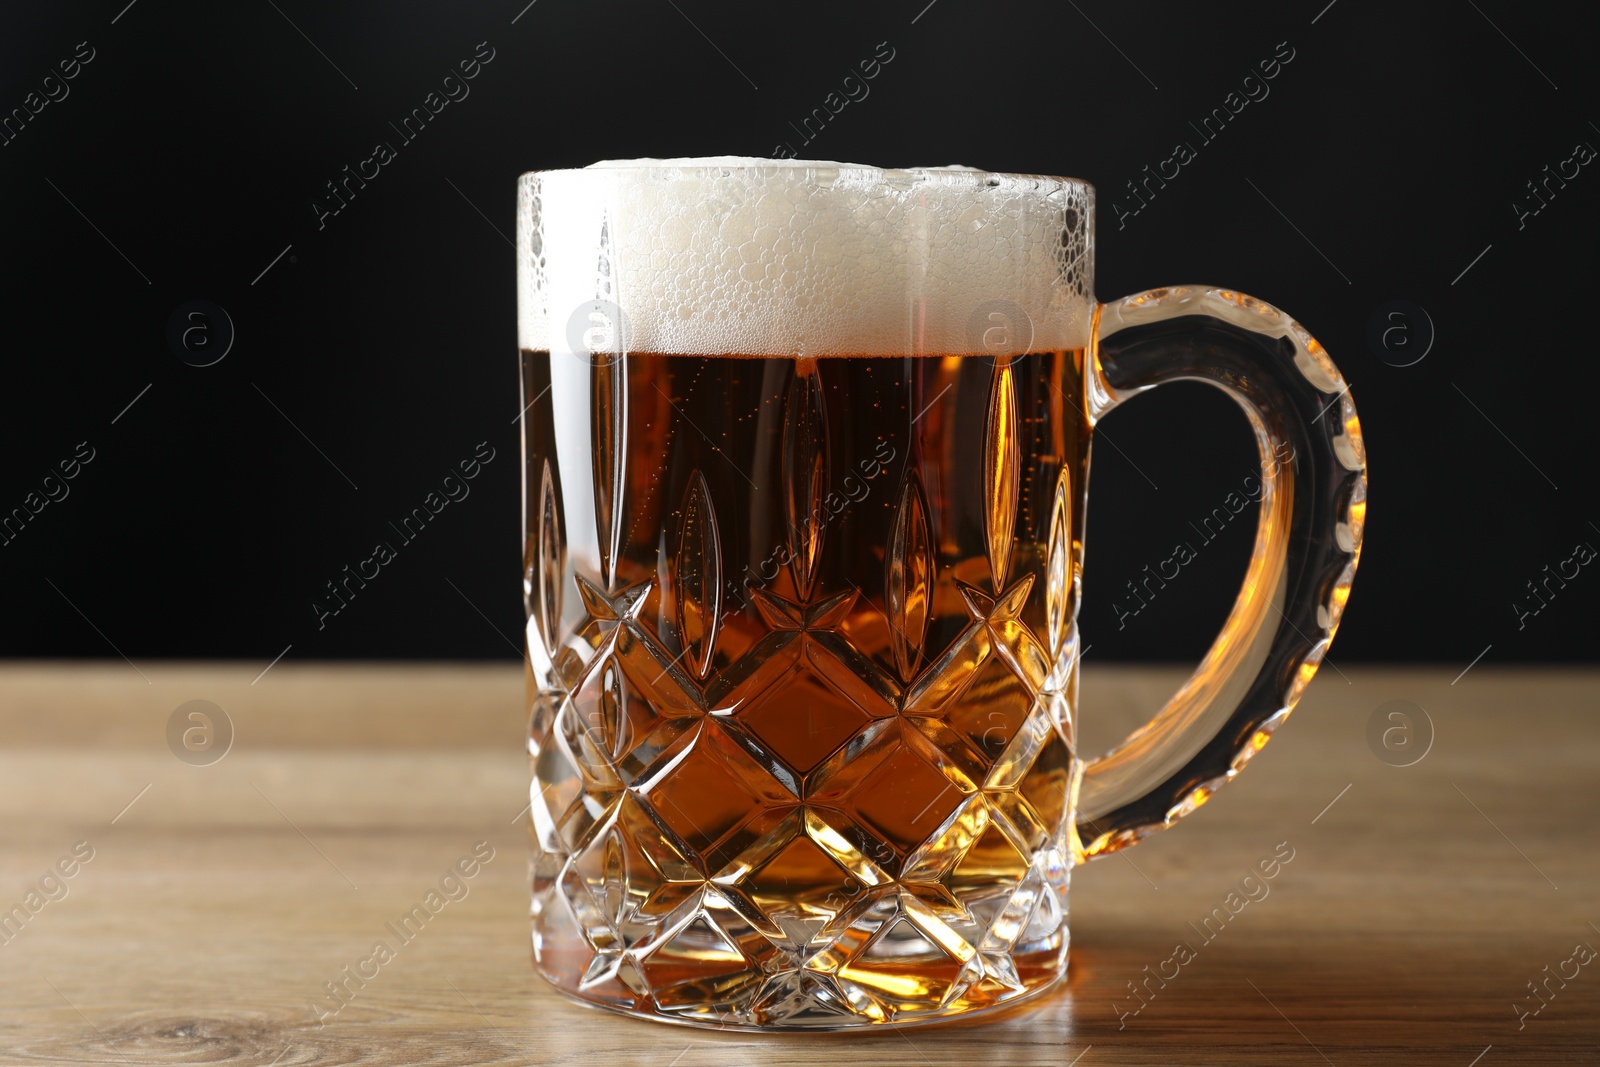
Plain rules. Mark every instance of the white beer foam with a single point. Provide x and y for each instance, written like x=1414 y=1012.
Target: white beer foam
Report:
x=767 y=257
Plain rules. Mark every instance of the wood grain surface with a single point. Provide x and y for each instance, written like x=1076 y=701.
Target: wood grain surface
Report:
x=1419 y=905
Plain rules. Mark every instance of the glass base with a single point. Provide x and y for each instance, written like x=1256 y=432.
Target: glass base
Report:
x=902 y=978
x=964 y=1015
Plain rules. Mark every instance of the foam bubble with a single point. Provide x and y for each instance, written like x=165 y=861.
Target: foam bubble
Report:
x=731 y=256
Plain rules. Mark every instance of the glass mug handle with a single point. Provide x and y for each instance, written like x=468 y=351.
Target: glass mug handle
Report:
x=1308 y=541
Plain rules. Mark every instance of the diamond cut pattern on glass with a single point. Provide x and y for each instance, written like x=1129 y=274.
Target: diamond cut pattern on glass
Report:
x=902 y=968
x=909 y=576
x=702 y=792
x=698 y=967
x=904 y=798
x=1002 y=471
x=820 y=827
x=993 y=707
x=805 y=470
x=801 y=880
x=697 y=577
x=801 y=719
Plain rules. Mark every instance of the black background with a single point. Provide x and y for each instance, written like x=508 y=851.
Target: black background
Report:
x=381 y=348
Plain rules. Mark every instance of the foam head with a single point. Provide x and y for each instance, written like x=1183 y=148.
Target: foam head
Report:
x=724 y=256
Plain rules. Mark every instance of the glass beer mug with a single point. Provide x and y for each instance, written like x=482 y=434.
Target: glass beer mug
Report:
x=806 y=449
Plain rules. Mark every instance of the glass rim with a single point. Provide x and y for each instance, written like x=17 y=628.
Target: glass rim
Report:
x=811 y=170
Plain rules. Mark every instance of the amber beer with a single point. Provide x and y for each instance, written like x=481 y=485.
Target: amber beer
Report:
x=757 y=488
x=800 y=574
x=845 y=564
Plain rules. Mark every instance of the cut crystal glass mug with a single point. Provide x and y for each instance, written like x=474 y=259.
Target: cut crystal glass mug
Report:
x=806 y=449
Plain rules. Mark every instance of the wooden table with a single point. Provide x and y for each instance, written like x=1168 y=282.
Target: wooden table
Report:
x=1419 y=904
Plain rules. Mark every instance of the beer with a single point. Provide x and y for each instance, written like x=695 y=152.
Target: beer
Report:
x=800 y=571
x=836 y=575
